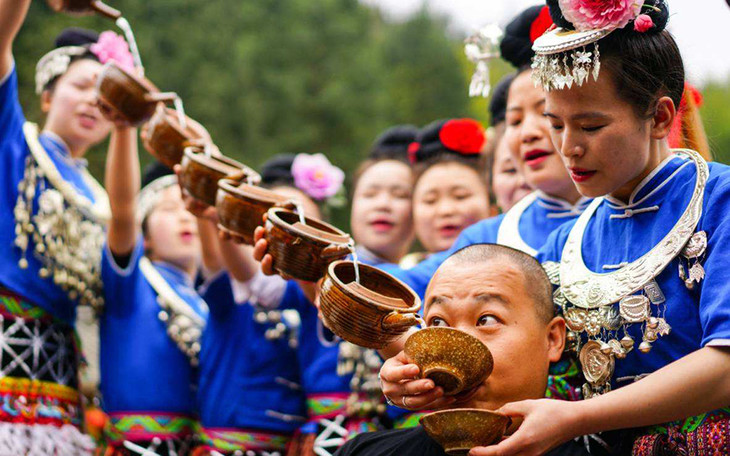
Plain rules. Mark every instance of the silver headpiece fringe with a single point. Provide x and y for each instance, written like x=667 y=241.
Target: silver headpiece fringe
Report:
x=150 y=195
x=565 y=58
x=54 y=64
x=480 y=48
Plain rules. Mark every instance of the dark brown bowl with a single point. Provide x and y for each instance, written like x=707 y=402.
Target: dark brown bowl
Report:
x=241 y=208
x=370 y=314
x=166 y=139
x=303 y=251
x=453 y=359
x=84 y=7
x=128 y=98
x=200 y=173
x=460 y=430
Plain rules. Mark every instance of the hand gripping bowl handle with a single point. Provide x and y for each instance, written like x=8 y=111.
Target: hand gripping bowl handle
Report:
x=400 y=322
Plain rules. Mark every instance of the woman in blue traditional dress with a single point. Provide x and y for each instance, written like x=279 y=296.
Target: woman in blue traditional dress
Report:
x=52 y=236
x=555 y=200
x=642 y=274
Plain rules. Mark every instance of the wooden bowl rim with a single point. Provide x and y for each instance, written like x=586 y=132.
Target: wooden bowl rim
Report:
x=274 y=218
x=144 y=84
x=169 y=115
x=197 y=155
x=424 y=332
x=382 y=274
x=249 y=192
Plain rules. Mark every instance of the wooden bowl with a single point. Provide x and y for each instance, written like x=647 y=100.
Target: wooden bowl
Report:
x=166 y=139
x=126 y=97
x=241 y=208
x=372 y=313
x=460 y=430
x=453 y=359
x=84 y=7
x=303 y=251
x=200 y=173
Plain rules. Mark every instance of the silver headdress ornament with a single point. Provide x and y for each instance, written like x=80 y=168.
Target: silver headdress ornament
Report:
x=150 y=194
x=554 y=68
x=54 y=64
x=480 y=48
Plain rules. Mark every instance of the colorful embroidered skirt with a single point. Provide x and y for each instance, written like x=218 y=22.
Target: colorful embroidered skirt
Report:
x=329 y=425
x=40 y=405
x=703 y=435
x=155 y=433
x=245 y=442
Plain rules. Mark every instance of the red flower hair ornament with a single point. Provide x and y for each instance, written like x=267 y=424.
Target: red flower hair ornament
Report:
x=465 y=136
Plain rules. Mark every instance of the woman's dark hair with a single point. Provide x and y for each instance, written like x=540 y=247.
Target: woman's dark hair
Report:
x=74 y=36
x=520 y=34
x=645 y=66
x=498 y=103
x=393 y=143
x=277 y=171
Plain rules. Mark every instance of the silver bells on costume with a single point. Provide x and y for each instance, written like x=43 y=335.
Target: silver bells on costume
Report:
x=67 y=241
x=286 y=324
x=181 y=329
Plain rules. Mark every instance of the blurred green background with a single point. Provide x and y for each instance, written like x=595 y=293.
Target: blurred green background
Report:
x=273 y=76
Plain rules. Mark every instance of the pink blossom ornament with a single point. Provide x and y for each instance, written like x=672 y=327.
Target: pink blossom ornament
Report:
x=600 y=14
x=316 y=176
x=113 y=47
x=643 y=23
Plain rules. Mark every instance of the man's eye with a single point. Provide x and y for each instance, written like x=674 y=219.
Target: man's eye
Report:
x=557 y=127
x=436 y=321
x=590 y=129
x=486 y=320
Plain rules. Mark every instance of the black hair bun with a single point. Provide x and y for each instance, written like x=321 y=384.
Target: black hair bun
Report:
x=658 y=11
x=498 y=103
x=516 y=46
x=154 y=171
x=75 y=36
x=557 y=14
x=277 y=170
x=393 y=143
x=459 y=137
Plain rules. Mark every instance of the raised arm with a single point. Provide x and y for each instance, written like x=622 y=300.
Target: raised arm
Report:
x=122 y=184
x=12 y=15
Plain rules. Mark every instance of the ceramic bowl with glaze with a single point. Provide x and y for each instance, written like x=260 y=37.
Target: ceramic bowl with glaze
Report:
x=460 y=430
x=303 y=250
x=453 y=359
x=371 y=313
x=125 y=97
x=166 y=139
x=201 y=172
x=241 y=208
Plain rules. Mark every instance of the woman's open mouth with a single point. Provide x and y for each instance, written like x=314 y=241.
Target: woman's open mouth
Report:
x=580 y=175
x=534 y=158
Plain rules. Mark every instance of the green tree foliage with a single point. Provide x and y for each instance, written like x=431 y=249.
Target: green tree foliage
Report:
x=716 y=117
x=276 y=76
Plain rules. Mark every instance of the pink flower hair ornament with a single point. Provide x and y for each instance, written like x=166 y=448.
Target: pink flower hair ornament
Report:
x=113 y=47
x=316 y=176
x=600 y=14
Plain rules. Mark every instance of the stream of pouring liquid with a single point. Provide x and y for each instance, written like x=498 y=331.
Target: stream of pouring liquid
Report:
x=123 y=24
x=355 y=263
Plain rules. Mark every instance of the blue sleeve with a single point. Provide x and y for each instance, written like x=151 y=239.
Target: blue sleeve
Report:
x=420 y=275
x=121 y=284
x=11 y=113
x=218 y=294
x=552 y=250
x=294 y=298
x=714 y=302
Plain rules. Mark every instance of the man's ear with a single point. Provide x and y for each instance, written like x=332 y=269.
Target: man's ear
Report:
x=46 y=101
x=663 y=118
x=556 y=339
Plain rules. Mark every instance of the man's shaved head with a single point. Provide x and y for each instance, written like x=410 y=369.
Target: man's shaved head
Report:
x=536 y=280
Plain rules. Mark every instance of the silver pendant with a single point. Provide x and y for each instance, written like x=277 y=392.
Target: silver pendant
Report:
x=696 y=273
x=627 y=343
x=617 y=349
x=575 y=319
x=611 y=318
x=559 y=299
x=634 y=308
x=645 y=347
x=696 y=246
x=597 y=366
x=660 y=329
x=552 y=269
x=655 y=294
x=682 y=274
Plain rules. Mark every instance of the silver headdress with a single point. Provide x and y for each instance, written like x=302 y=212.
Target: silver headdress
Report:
x=54 y=64
x=554 y=68
x=149 y=196
x=480 y=48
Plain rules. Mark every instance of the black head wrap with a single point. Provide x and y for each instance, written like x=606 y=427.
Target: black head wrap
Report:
x=154 y=171
x=516 y=46
x=460 y=137
x=393 y=143
x=498 y=103
x=277 y=170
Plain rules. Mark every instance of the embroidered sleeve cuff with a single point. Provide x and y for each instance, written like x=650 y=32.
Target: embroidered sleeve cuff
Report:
x=718 y=343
